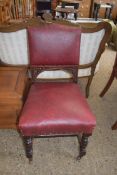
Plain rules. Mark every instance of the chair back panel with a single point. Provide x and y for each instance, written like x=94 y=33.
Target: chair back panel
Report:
x=13 y=47
x=54 y=44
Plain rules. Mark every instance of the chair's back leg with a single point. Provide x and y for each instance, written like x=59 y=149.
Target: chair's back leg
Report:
x=114 y=126
x=90 y=78
x=113 y=75
x=88 y=85
x=108 y=84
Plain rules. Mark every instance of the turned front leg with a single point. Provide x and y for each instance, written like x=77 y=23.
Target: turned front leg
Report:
x=83 y=145
x=28 y=147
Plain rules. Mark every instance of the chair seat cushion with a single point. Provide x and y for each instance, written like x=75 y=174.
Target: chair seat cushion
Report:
x=56 y=109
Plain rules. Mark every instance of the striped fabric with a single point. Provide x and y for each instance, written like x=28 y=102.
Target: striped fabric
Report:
x=13 y=50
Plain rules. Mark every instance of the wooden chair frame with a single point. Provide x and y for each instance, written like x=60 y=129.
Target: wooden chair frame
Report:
x=82 y=137
x=85 y=28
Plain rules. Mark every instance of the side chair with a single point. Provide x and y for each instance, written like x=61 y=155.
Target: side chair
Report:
x=55 y=108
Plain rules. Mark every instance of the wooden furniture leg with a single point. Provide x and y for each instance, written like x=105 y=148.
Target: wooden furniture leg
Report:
x=88 y=86
x=83 y=145
x=114 y=126
x=54 y=5
x=113 y=75
x=108 y=12
x=108 y=84
x=96 y=11
x=28 y=147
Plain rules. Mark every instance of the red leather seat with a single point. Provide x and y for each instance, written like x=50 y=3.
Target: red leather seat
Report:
x=55 y=108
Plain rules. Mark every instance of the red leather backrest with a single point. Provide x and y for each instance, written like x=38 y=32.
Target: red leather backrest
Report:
x=54 y=44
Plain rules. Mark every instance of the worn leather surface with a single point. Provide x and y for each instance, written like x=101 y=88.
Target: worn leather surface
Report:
x=54 y=109
x=54 y=44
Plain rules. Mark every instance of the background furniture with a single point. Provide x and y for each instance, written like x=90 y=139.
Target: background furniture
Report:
x=108 y=11
x=22 y=9
x=55 y=108
x=43 y=7
x=12 y=88
x=113 y=75
x=103 y=10
x=67 y=7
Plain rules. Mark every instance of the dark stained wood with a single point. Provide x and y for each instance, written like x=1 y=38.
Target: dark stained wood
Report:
x=103 y=10
x=86 y=7
x=83 y=145
x=28 y=147
x=108 y=10
x=12 y=88
x=114 y=126
x=37 y=70
x=113 y=75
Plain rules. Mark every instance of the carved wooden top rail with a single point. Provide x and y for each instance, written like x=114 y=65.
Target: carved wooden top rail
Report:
x=15 y=25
